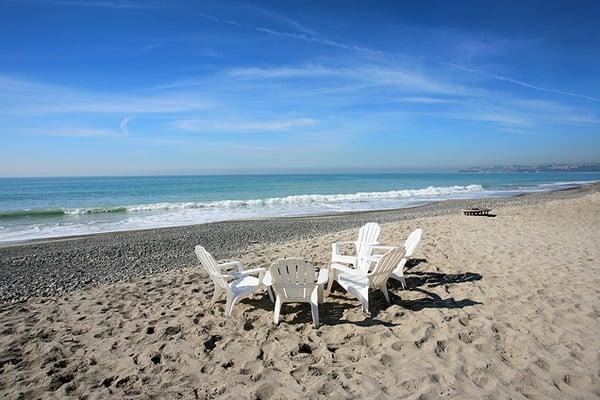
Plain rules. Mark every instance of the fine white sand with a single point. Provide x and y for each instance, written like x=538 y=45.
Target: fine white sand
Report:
x=504 y=307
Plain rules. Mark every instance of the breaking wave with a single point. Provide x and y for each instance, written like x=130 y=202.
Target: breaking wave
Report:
x=297 y=200
x=54 y=212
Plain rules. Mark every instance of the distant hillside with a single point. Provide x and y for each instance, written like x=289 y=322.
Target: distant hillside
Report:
x=591 y=167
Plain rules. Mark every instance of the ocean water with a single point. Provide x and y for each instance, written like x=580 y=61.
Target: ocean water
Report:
x=32 y=208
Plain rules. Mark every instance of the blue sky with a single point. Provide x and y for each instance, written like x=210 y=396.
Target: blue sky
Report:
x=106 y=87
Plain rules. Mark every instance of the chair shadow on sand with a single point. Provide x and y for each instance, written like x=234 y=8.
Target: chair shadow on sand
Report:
x=332 y=312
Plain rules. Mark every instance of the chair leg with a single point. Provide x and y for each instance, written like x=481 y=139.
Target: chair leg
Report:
x=364 y=299
x=270 y=291
x=385 y=293
x=331 y=279
x=320 y=290
x=229 y=305
x=216 y=294
x=276 y=310
x=403 y=282
x=314 y=307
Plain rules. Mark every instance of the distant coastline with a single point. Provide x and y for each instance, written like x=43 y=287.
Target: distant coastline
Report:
x=587 y=167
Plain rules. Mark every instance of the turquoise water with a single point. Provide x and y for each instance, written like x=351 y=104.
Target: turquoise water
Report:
x=49 y=207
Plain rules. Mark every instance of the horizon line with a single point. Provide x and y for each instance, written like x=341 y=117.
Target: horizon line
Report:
x=348 y=171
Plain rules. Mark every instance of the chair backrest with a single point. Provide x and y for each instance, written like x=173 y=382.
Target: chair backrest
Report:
x=384 y=267
x=412 y=241
x=293 y=278
x=368 y=235
x=210 y=264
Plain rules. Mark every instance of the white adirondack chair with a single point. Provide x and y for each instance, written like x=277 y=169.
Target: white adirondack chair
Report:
x=295 y=280
x=358 y=283
x=409 y=248
x=238 y=284
x=367 y=237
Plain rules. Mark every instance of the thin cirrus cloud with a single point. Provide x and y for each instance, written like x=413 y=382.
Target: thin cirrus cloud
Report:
x=22 y=96
x=303 y=33
x=238 y=126
x=557 y=111
x=319 y=39
x=333 y=43
x=312 y=36
x=367 y=75
x=520 y=83
x=505 y=119
x=306 y=34
x=422 y=100
x=87 y=132
x=407 y=79
x=122 y=4
x=80 y=132
x=124 y=125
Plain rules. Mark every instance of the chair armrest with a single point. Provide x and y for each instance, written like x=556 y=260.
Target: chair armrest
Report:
x=335 y=247
x=344 y=269
x=338 y=243
x=237 y=264
x=373 y=260
x=323 y=276
x=267 y=279
x=253 y=271
x=382 y=247
x=337 y=258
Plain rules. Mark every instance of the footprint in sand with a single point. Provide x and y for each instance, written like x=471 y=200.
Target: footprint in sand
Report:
x=441 y=349
x=542 y=364
x=397 y=346
x=428 y=334
x=466 y=337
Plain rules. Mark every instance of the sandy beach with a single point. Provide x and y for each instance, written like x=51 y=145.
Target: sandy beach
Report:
x=501 y=307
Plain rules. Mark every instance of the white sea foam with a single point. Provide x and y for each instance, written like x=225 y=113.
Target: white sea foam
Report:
x=313 y=199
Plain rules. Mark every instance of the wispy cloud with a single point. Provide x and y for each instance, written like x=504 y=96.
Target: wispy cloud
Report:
x=369 y=75
x=500 y=117
x=277 y=125
x=318 y=40
x=79 y=132
x=124 y=124
x=423 y=100
x=123 y=4
x=315 y=37
x=553 y=111
x=280 y=19
x=304 y=33
x=309 y=35
x=24 y=96
x=308 y=70
x=521 y=83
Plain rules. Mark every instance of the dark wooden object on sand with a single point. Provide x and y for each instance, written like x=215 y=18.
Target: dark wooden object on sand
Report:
x=476 y=211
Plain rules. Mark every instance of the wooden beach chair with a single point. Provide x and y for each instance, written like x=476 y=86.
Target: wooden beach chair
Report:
x=476 y=211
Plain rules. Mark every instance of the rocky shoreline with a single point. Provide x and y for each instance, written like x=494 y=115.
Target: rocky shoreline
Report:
x=54 y=267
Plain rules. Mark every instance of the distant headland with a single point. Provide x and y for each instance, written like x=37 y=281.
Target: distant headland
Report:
x=585 y=167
